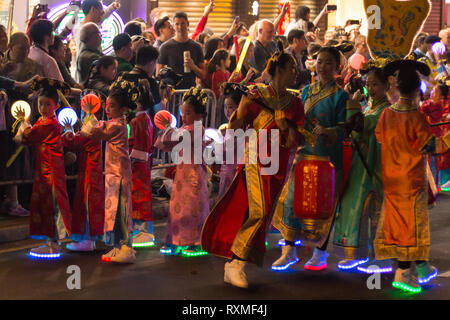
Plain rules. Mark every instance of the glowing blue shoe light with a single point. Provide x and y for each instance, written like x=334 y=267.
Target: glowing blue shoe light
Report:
x=286 y=266
x=282 y=243
x=45 y=256
x=352 y=265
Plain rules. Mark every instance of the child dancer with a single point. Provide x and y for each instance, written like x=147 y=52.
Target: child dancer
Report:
x=88 y=217
x=353 y=234
x=189 y=203
x=118 y=205
x=50 y=208
x=403 y=231
x=141 y=145
x=228 y=171
x=437 y=110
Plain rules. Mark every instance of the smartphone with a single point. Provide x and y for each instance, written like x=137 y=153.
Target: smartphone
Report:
x=236 y=20
x=354 y=21
x=331 y=7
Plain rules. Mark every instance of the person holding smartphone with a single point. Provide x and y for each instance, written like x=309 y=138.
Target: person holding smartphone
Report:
x=302 y=16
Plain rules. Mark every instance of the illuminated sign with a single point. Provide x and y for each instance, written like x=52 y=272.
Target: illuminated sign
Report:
x=110 y=28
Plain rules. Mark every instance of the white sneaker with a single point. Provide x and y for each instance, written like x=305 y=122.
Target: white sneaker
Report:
x=376 y=266
x=318 y=260
x=287 y=259
x=50 y=250
x=406 y=281
x=107 y=257
x=426 y=272
x=350 y=264
x=144 y=239
x=235 y=275
x=125 y=255
x=82 y=246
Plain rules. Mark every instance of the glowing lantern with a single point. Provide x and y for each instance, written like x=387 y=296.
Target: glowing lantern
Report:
x=67 y=113
x=21 y=105
x=314 y=198
x=93 y=101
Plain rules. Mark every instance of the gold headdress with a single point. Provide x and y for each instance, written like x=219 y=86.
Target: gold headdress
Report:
x=198 y=94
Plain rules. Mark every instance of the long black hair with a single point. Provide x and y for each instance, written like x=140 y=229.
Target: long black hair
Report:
x=104 y=62
x=218 y=56
x=279 y=59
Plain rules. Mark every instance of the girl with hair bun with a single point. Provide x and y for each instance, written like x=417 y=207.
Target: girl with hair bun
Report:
x=325 y=113
x=189 y=202
x=403 y=231
x=237 y=226
x=118 y=202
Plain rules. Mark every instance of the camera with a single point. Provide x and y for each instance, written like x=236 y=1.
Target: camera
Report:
x=356 y=83
x=168 y=77
x=354 y=22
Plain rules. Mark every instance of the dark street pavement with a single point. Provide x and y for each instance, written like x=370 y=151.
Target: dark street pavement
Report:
x=158 y=277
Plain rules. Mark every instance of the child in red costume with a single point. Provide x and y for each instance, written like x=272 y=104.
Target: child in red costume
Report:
x=50 y=208
x=141 y=142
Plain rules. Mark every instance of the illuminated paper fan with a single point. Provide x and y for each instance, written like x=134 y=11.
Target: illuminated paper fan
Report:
x=20 y=104
x=94 y=102
x=213 y=134
x=68 y=113
x=164 y=116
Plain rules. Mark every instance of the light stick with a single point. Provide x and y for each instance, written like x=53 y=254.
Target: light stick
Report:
x=243 y=54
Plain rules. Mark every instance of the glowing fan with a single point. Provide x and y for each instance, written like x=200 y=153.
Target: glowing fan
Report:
x=164 y=116
x=68 y=113
x=213 y=134
x=20 y=104
x=93 y=101
x=439 y=48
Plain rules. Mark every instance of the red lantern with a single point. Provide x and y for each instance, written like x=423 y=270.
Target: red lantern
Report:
x=93 y=101
x=314 y=188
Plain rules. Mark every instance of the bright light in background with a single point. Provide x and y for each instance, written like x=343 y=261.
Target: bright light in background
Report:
x=110 y=28
x=22 y=105
x=68 y=113
x=423 y=86
x=439 y=48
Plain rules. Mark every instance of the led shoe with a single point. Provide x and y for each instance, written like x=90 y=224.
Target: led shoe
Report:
x=125 y=255
x=405 y=280
x=282 y=243
x=171 y=250
x=50 y=250
x=193 y=251
x=426 y=272
x=82 y=246
x=19 y=211
x=143 y=240
x=235 y=275
x=287 y=259
x=107 y=257
x=350 y=264
x=318 y=260
x=376 y=266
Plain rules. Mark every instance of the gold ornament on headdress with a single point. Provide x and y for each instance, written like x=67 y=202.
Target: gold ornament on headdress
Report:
x=378 y=63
